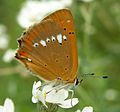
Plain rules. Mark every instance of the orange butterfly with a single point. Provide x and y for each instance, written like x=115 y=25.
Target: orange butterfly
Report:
x=48 y=48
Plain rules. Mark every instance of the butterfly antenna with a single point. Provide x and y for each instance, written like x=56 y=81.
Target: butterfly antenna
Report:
x=93 y=75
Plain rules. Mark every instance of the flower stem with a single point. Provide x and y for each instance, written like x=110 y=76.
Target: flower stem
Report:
x=51 y=108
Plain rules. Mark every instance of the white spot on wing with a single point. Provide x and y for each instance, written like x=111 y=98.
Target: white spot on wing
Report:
x=59 y=38
x=43 y=43
x=29 y=59
x=35 y=44
x=64 y=37
x=53 y=38
x=47 y=40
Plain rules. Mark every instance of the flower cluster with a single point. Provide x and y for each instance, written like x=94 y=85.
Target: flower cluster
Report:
x=9 y=55
x=9 y=105
x=49 y=94
x=33 y=11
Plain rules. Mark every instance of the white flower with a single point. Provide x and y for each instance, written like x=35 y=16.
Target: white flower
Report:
x=9 y=55
x=33 y=11
x=86 y=109
x=51 y=95
x=37 y=94
x=3 y=37
x=8 y=106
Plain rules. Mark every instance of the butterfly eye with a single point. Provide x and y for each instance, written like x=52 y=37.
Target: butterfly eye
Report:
x=67 y=56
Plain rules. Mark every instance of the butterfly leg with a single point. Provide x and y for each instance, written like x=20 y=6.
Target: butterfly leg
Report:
x=72 y=94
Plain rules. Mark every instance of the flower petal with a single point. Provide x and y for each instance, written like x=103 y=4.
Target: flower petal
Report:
x=87 y=109
x=1 y=108
x=47 y=88
x=9 y=55
x=36 y=85
x=57 y=96
x=65 y=94
x=34 y=99
x=41 y=97
x=67 y=103
x=38 y=96
x=9 y=105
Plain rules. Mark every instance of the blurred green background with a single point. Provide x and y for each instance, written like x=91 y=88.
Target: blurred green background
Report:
x=98 y=38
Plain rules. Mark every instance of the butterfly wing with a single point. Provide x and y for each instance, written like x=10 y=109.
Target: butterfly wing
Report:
x=47 y=51
x=64 y=19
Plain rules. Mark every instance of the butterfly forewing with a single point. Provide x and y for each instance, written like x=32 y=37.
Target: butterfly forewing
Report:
x=48 y=50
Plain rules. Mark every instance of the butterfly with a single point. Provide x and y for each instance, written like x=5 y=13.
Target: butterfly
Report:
x=48 y=48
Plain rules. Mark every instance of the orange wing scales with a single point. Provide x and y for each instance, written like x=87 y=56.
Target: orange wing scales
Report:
x=45 y=52
x=65 y=19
